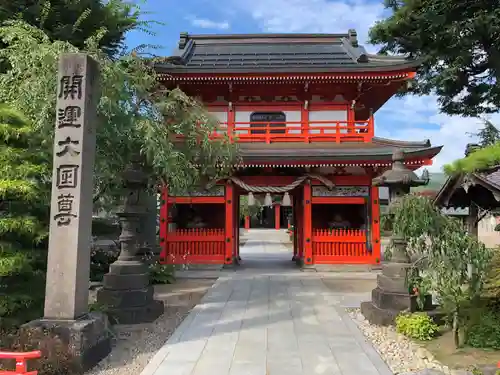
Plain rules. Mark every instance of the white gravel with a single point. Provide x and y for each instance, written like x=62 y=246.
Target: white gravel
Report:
x=135 y=345
x=401 y=354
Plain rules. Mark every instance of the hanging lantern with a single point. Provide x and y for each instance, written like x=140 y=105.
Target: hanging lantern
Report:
x=268 y=201
x=286 y=200
x=251 y=199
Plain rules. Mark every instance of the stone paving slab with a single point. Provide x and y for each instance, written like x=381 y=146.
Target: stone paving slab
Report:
x=283 y=323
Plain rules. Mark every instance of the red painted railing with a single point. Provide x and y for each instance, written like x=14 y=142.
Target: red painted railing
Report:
x=21 y=362
x=194 y=246
x=340 y=246
x=297 y=131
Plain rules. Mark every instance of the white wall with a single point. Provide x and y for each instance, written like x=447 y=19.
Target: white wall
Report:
x=327 y=116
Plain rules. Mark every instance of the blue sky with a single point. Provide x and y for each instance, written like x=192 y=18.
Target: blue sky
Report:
x=409 y=118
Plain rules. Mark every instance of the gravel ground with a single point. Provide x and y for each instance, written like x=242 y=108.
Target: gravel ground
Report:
x=403 y=356
x=135 y=345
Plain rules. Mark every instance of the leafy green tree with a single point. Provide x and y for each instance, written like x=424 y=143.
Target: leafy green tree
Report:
x=459 y=44
x=74 y=21
x=449 y=262
x=171 y=129
x=246 y=210
x=24 y=192
x=488 y=135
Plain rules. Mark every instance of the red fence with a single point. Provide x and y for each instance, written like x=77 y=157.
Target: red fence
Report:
x=21 y=362
x=296 y=131
x=194 y=246
x=340 y=246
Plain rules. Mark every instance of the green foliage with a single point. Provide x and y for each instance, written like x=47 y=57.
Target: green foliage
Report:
x=24 y=192
x=133 y=115
x=246 y=210
x=478 y=160
x=488 y=135
x=485 y=332
x=75 y=21
x=161 y=273
x=449 y=262
x=459 y=44
x=416 y=326
x=100 y=260
x=413 y=216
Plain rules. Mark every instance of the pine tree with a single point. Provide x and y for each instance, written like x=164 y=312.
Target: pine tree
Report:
x=24 y=192
x=488 y=135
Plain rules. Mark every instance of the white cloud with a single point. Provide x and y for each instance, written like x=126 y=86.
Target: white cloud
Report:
x=409 y=118
x=205 y=23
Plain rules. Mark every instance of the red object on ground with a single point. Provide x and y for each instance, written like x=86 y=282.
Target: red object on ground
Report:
x=21 y=362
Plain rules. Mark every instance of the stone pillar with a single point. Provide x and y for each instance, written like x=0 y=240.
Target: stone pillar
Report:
x=126 y=293
x=85 y=335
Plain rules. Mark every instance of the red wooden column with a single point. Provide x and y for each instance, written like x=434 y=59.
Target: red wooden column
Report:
x=229 y=224
x=299 y=225
x=163 y=222
x=375 y=224
x=277 y=216
x=247 y=222
x=236 y=226
x=307 y=222
x=295 y=229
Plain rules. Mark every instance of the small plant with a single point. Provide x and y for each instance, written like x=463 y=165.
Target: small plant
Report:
x=485 y=331
x=161 y=273
x=416 y=326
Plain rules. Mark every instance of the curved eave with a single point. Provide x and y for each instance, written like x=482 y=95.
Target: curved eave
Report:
x=383 y=156
x=361 y=73
x=181 y=69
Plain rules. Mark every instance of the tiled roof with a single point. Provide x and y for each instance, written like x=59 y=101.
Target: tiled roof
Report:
x=379 y=149
x=276 y=53
x=453 y=192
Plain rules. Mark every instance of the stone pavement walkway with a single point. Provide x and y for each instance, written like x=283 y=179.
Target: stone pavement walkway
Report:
x=256 y=322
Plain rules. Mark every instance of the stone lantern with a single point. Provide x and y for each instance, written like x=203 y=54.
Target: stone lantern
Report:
x=126 y=292
x=391 y=296
x=399 y=180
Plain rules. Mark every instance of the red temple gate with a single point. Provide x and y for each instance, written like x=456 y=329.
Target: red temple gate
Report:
x=306 y=108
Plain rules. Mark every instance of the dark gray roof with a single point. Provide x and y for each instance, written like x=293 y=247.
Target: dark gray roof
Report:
x=455 y=194
x=247 y=53
x=378 y=150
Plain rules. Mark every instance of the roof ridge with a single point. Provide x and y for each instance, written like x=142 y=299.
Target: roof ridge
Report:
x=265 y=35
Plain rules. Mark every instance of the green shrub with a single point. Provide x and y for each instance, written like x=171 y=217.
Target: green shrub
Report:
x=416 y=326
x=485 y=332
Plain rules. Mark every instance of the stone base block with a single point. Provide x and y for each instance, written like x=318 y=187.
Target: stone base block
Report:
x=396 y=270
x=68 y=346
x=392 y=285
x=126 y=281
x=119 y=299
x=392 y=301
x=376 y=315
x=135 y=315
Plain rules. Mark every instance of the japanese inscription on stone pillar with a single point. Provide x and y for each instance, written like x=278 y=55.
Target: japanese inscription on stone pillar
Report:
x=72 y=188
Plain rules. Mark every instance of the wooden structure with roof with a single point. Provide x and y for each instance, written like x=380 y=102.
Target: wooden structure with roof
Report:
x=301 y=107
x=472 y=191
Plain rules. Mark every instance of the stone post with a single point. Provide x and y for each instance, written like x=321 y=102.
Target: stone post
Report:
x=127 y=294
x=392 y=295
x=84 y=335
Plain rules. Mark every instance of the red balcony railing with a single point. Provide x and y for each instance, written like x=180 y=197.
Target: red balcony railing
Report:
x=296 y=131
